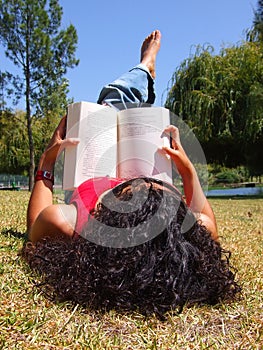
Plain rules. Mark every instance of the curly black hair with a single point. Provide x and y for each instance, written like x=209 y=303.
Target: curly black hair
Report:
x=104 y=268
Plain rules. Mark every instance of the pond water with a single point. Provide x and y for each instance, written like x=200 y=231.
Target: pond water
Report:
x=239 y=191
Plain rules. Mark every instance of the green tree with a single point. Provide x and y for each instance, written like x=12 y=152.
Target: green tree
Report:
x=221 y=99
x=3 y=84
x=31 y=35
x=14 y=152
x=255 y=34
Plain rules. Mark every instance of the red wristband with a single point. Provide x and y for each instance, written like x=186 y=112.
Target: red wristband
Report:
x=44 y=175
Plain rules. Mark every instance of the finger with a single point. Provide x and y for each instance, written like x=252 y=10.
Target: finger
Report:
x=174 y=132
x=170 y=128
x=70 y=142
x=62 y=144
x=168 y=134
x=169 y=151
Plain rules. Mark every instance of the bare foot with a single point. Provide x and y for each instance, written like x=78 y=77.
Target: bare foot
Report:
x=149 y=50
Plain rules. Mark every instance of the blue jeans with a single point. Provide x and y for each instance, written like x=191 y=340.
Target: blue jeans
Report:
x=135 y=86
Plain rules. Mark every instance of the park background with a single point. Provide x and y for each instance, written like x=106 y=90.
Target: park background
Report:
x=109 y=38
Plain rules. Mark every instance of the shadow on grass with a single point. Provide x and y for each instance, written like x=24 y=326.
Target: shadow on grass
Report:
x=14 y=233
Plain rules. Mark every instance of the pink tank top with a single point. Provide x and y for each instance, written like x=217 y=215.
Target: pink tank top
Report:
x=86 y=195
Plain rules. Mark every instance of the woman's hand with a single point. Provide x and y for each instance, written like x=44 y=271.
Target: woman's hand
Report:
x=177 y=153
x=56 y=145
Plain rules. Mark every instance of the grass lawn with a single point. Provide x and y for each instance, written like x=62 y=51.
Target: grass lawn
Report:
x=29 y=321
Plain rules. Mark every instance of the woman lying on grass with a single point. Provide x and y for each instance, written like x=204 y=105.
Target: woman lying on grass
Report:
x=128 y=244
x=141 y=247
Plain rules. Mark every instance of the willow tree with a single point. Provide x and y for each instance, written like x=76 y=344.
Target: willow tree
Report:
x=13 y=143
x=256 y=34
x=42 y=52
x=221 y=98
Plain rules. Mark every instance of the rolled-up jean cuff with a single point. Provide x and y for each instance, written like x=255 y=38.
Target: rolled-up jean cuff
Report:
x=135 y=86
x=144 y=68
x=151 y=93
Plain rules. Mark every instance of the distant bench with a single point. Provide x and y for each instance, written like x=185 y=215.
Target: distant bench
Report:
x=245 y=184
x=249 y=184
x=13 y=188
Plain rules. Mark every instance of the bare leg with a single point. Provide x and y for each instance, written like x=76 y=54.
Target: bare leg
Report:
x=137 y=85
x=149 y=50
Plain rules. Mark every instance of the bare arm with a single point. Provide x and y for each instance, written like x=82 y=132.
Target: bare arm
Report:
x=195 y=198
x=42 y=216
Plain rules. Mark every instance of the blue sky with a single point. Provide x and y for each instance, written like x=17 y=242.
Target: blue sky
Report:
x=110 y=35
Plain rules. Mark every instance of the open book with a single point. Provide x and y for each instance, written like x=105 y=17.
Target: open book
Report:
x=123 y=144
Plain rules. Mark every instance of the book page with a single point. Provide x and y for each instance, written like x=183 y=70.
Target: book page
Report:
x=96 y=154
x=140 y=137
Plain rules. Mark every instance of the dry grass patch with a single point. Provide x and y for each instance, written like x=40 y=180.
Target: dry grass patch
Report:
x=29 y=321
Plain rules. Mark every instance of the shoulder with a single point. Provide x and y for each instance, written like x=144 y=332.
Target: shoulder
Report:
x=210 y=225
x=54 y=220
